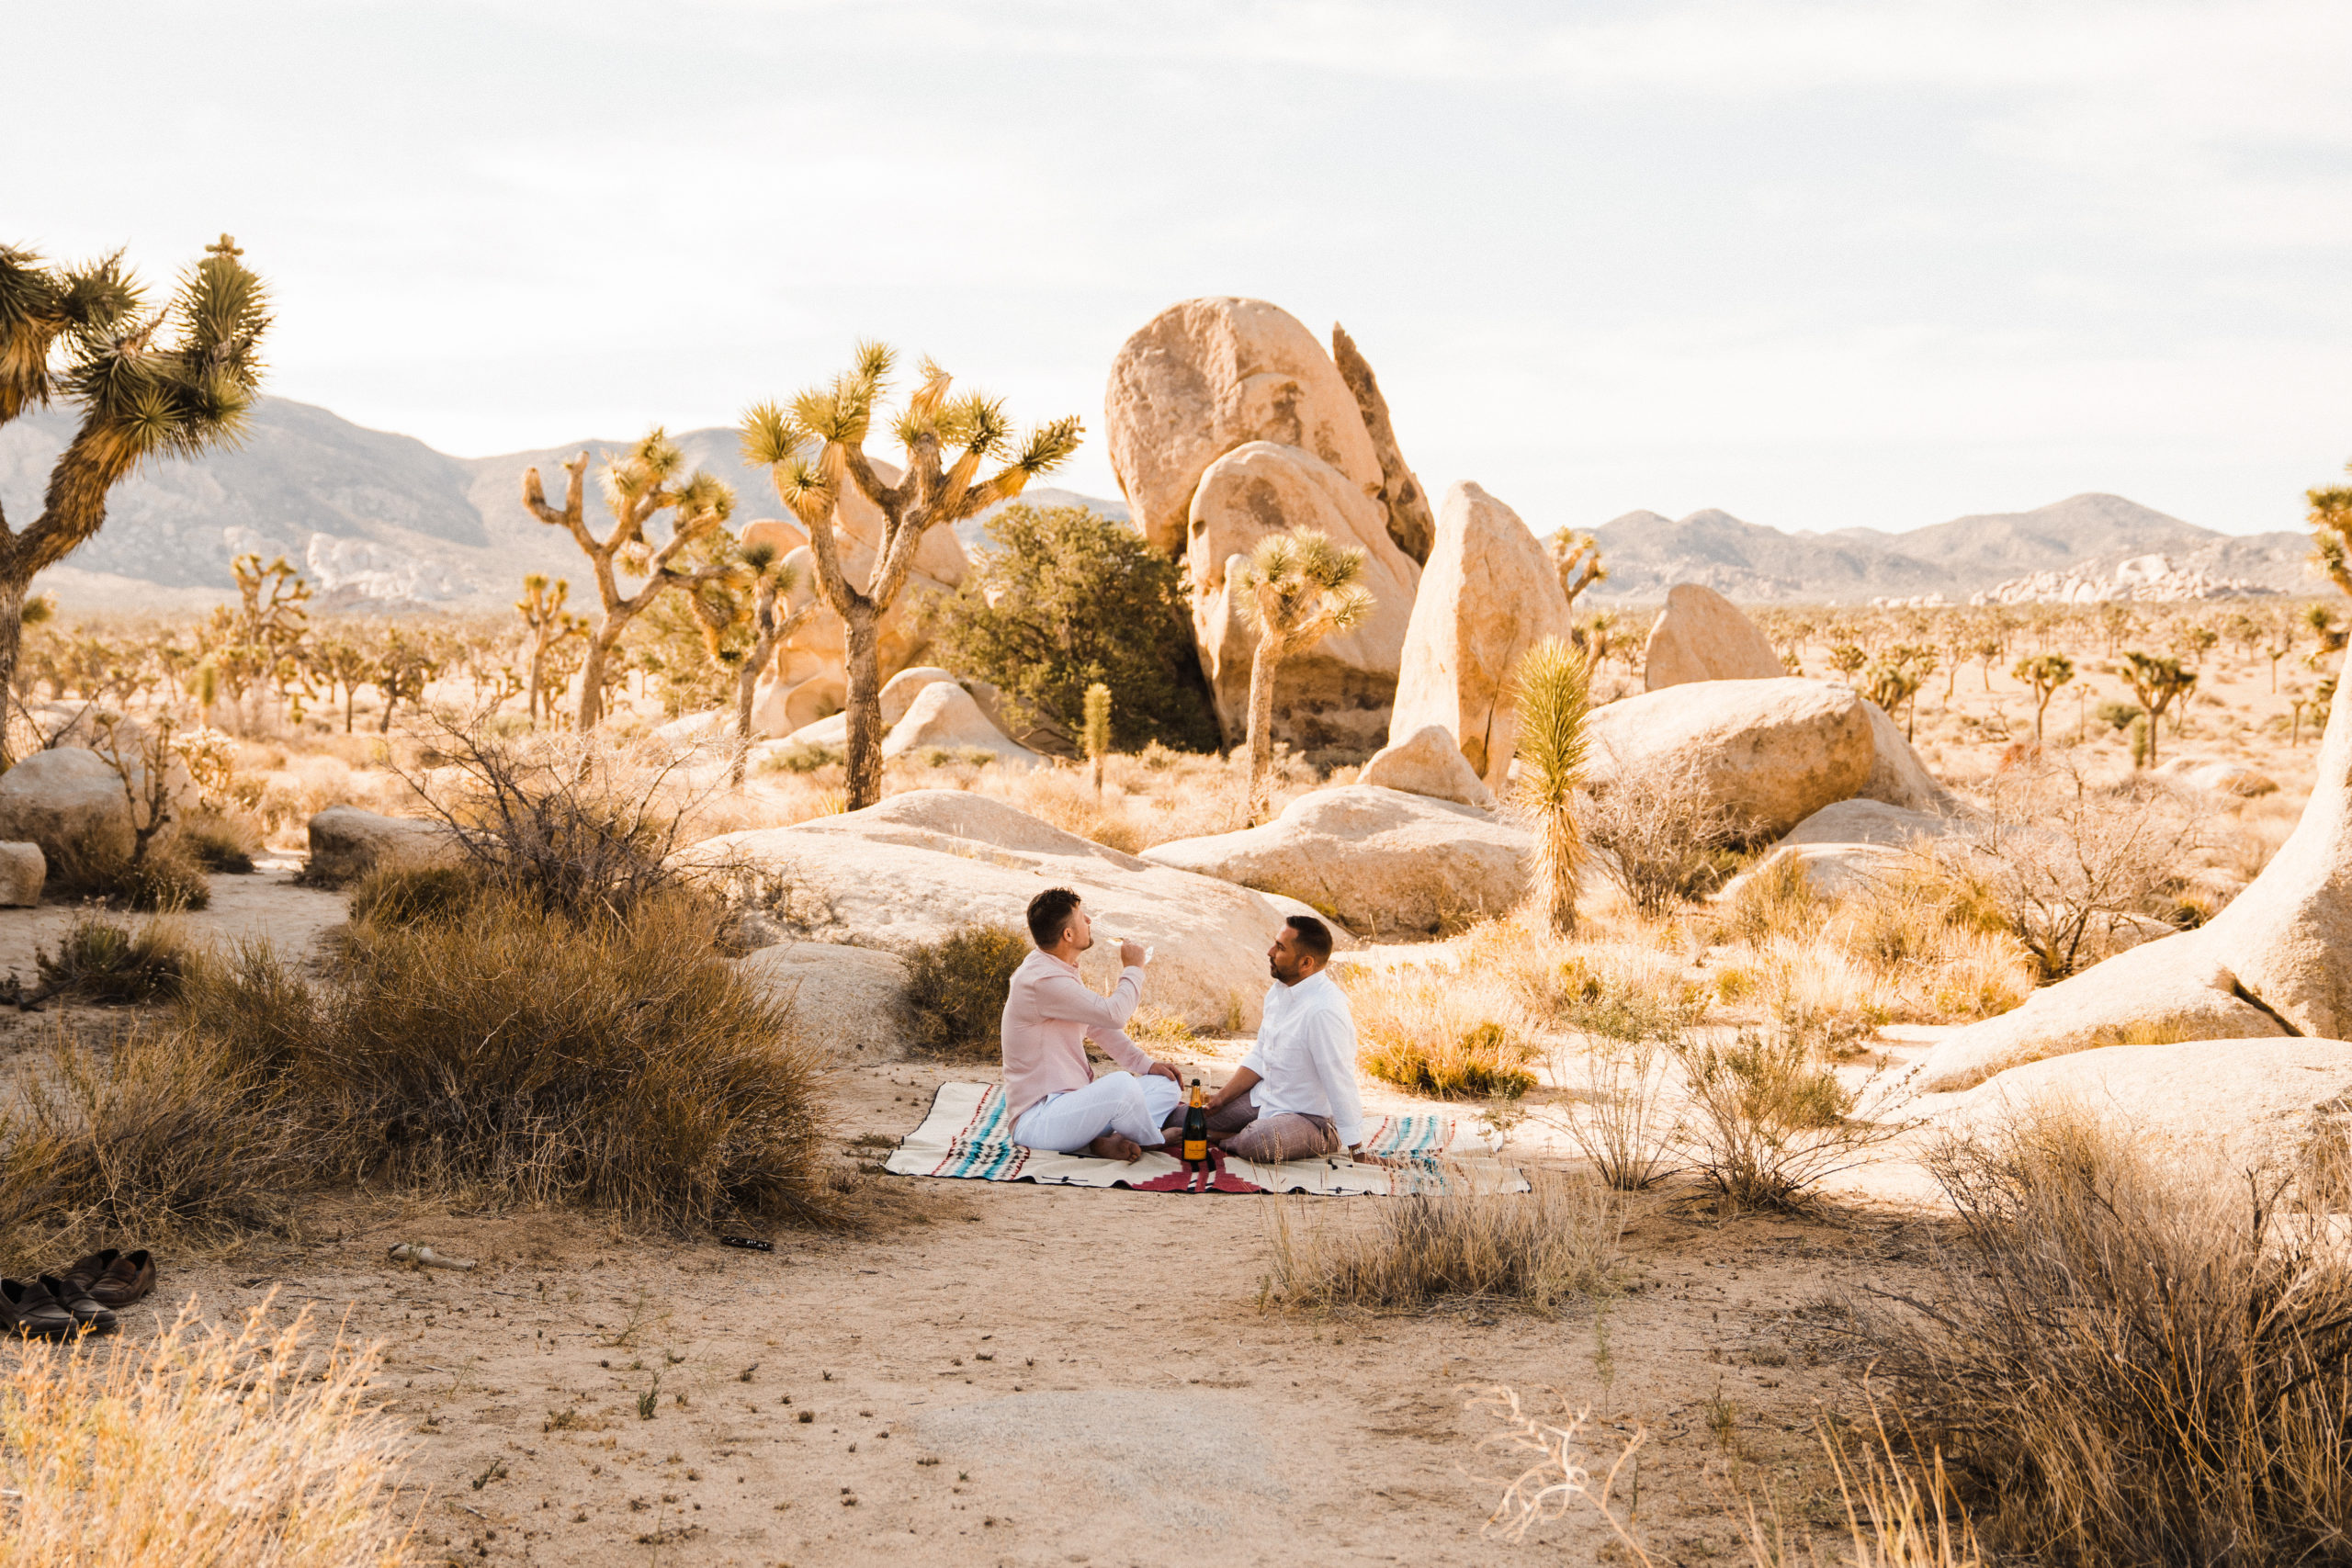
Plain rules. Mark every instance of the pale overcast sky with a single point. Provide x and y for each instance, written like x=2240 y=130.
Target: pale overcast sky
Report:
x=1819 y=264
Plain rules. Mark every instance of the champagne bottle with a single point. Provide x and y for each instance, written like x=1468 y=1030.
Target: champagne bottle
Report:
x=1196 y=1134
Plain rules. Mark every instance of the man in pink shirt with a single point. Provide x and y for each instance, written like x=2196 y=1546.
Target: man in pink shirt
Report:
x=1055 y=1100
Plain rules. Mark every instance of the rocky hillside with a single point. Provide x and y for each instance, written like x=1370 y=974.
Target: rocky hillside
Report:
x=2087 y=533
x=378 y=520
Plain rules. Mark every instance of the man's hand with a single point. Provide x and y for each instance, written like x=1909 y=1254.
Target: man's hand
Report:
x=1131 y=955
x=1167 y=1070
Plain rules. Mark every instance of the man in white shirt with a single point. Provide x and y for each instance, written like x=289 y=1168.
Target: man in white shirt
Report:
x=1295 y=1095
x=1055 y=1100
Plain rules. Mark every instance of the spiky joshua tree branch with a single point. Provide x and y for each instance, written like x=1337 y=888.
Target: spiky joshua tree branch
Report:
x=167 y=382
x=815 y=448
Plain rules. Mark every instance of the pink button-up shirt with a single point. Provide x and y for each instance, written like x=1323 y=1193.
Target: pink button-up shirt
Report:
x=1049 y=1014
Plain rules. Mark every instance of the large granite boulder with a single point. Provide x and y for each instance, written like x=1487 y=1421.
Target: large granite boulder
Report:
x=942 y=716
x=845 y=996
x=2245 y=1104
x=1769 y=753
x=2217 y=777
x=1411 y=522
x=898 y=693
x=1863 y=820
x=1206 y=376
x=1487 y=595
x=1897 y=775
x=1428 y=762
x=1701 y=636
x=1379 y=860
x=71 y=802
x=918 y=865
x=1846 y=847
x=2277 y=961
x=1338 y=692
x=347 y=843
x=23 y=869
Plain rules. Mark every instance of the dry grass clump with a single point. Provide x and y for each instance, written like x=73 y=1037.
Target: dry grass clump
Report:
x=162 y=1137
x=1536 y=1251
x=2133 y=1364
x=501 y=1050
x=234 y=1449
x=100 y=959
x=168 y=875
x=956 y=988
x=1441 y=1032
x=1768 y=1118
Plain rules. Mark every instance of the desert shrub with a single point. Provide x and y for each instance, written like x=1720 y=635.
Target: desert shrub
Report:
x=1062 y=598
x=956 y=988
x=101 y=959
x=235 y=1448
x=1063 y=797
x=2131 y=1363
x=1767 y=1120
x=1775 y=899
x=1623 y=1122
x=2073 y=872
x=573 y=825
x=1663 y=837
x=1537 y=1250
x=1435 y=1032
x=218 y=844
x=1150 y=1026
x=158 y=1137
x=500 y=1049
x=404 y=895
x=166 y=876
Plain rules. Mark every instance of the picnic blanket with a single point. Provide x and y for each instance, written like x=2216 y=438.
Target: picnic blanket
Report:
x=966 y=1134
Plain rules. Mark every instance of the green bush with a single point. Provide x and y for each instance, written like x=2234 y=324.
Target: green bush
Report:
x=167 y=877
x=221 y=843
x=1065 y=598
x=956 y=987
x=403 y=895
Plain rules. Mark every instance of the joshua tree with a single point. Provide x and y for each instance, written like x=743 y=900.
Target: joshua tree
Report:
x=2157 y=680
x=1550 y=693
x=1848 y=659
x=1577 y=558
x=2277 y=641
x=1297 y=589
x=2331 y=520
x=717 y=604
x=345 y=667
x=549 y=626
x=2046 y=672
x=638 y=486
x=168 y=382
x=1097 y=734
x=945 y=440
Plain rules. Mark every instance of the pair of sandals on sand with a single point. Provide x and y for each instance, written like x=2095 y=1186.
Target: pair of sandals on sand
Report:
x=81 y=1300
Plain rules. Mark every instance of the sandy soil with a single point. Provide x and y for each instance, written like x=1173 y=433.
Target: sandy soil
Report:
x=1013 y=1374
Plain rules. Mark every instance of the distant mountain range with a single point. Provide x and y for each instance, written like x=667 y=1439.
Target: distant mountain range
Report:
x=1647 y=553
x=384 y=520
x=372 y=516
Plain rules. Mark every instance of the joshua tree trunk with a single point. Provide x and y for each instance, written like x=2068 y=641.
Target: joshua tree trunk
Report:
x=1262 y=668
x=863 y=670
x=12 y=639
x=592 y=675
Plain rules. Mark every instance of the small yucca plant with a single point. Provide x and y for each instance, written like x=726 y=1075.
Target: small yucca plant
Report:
x=1098 y=729
x=1552 y=694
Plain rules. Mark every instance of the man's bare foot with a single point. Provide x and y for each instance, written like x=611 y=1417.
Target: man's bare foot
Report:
x=1111 y=1145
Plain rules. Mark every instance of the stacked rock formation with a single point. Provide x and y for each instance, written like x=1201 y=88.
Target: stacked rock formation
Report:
x=1226 y=422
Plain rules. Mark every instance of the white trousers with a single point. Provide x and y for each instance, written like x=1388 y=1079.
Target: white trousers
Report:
x=1116 y=1102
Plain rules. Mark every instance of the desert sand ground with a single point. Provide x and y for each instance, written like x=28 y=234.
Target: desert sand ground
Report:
x=1016 y=1374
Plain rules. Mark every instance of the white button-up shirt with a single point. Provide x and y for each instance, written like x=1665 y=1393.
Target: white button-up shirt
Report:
x=1305 y=1056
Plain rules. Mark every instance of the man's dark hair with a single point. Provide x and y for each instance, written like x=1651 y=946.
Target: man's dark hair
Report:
x=1313 y=936
x=1049 y=914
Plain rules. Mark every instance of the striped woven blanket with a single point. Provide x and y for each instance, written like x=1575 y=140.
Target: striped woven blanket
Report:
x=965 y=1135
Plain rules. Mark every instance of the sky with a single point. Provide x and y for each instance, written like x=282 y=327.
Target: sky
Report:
x=1819 y=264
